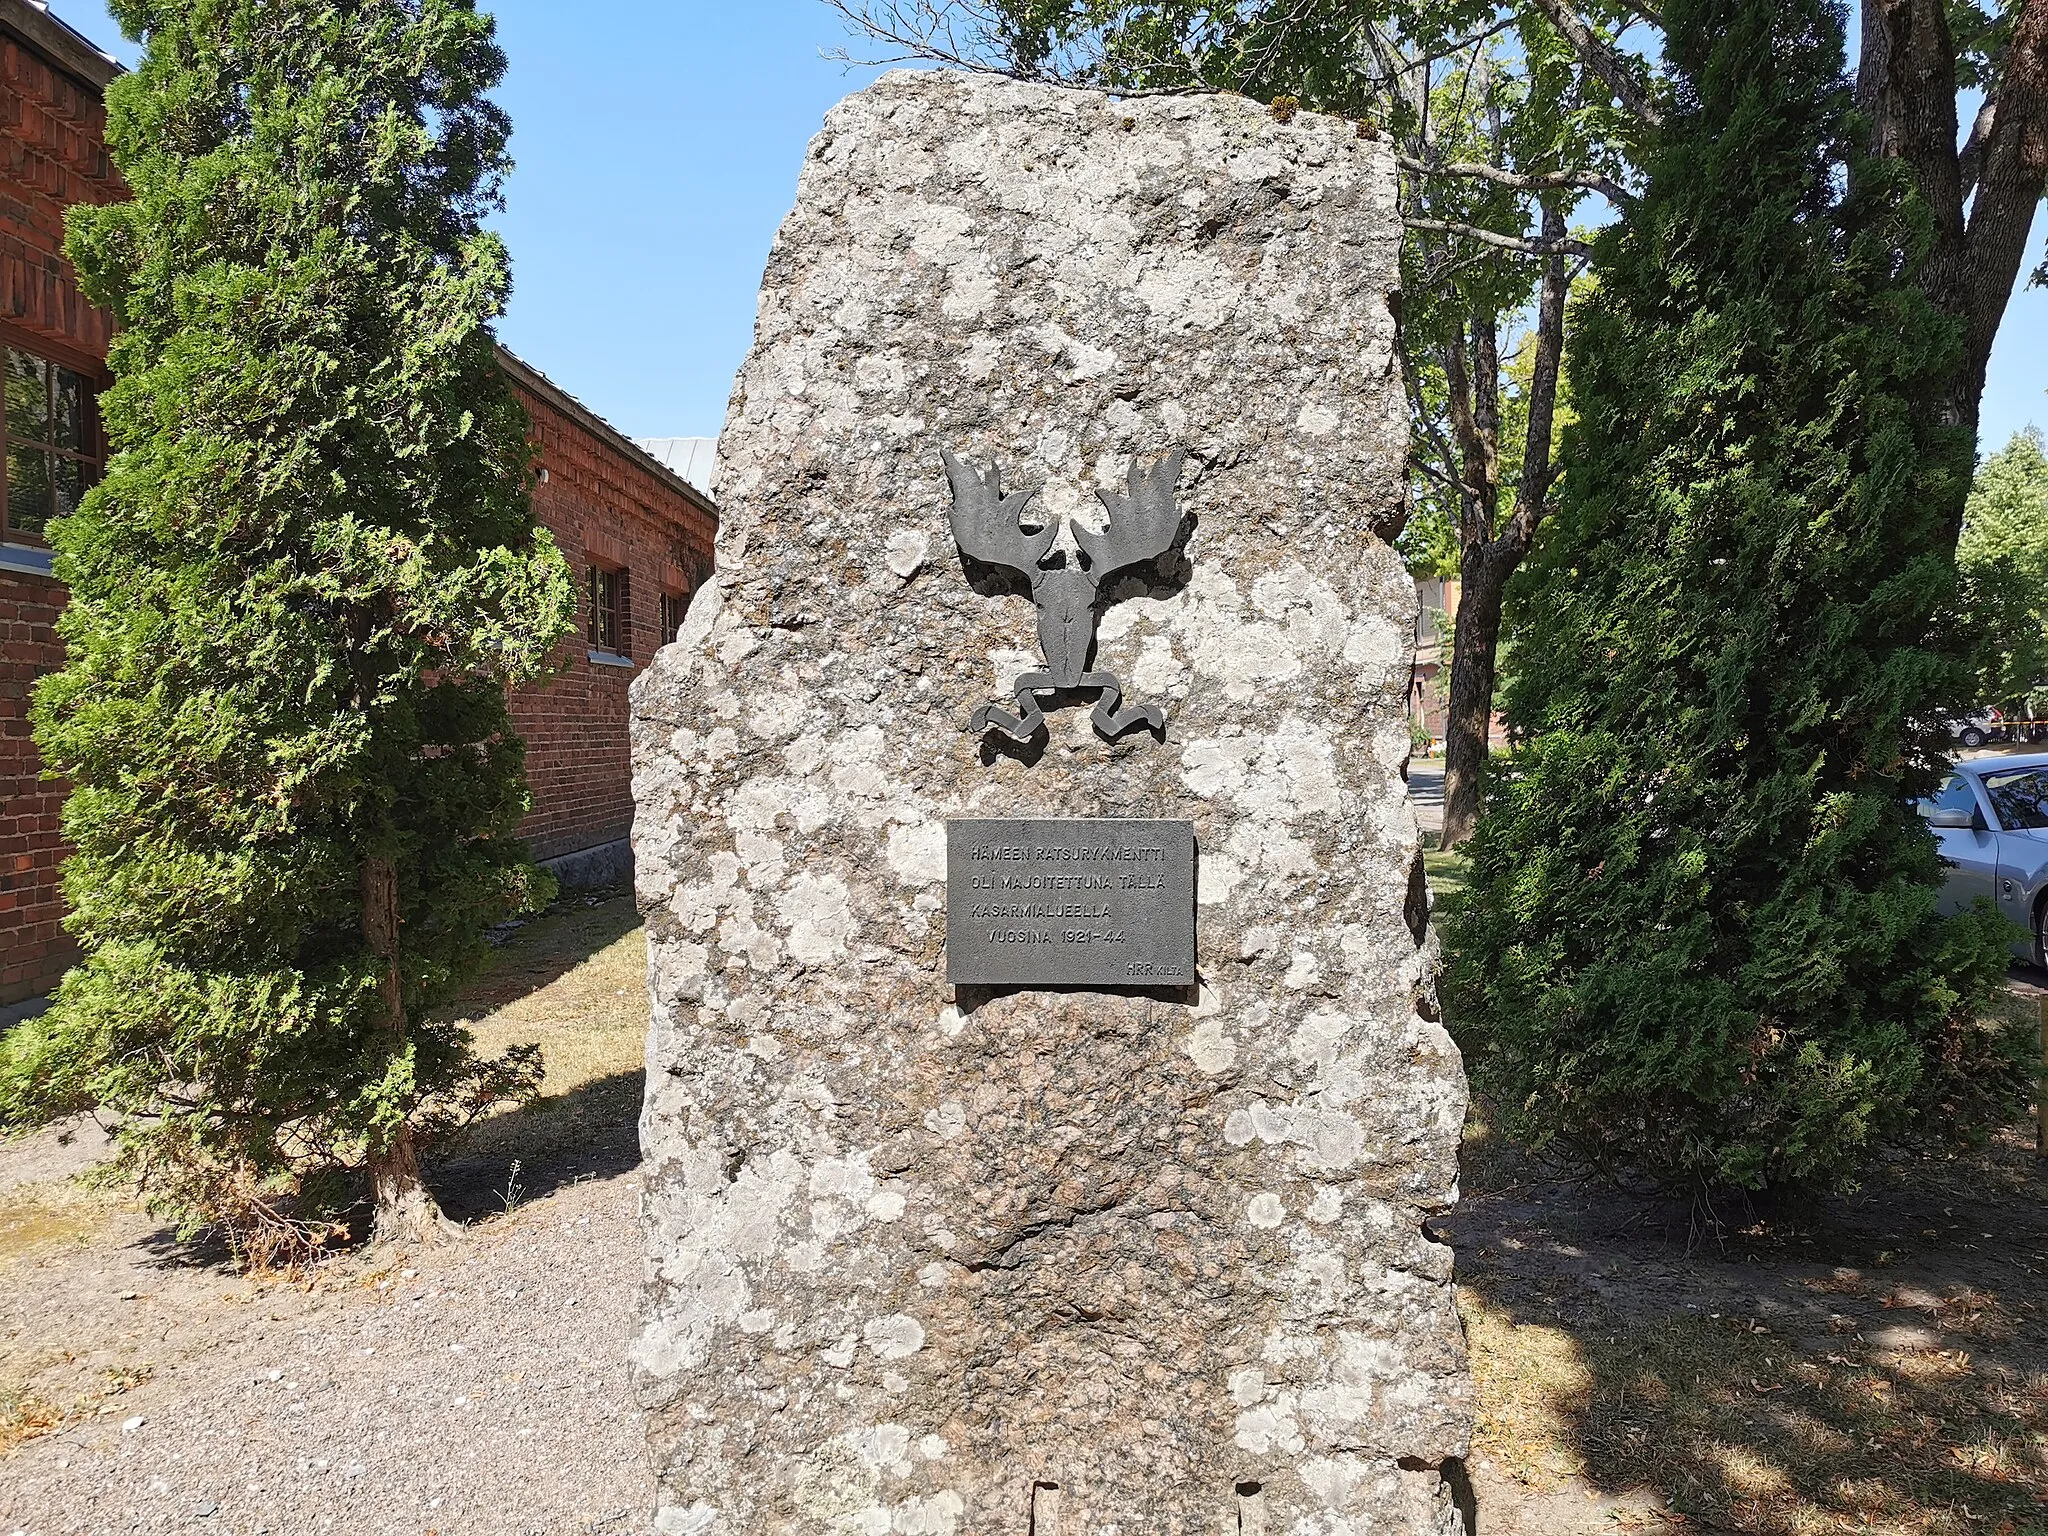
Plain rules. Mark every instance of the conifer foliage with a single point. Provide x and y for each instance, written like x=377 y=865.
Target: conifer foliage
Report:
x=1700 y=938
x=297 y=599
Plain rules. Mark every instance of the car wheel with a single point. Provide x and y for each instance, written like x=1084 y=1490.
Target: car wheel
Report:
x=2041 y=933
x=1971 y=737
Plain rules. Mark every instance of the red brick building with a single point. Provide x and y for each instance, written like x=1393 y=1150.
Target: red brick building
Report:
x=640 y=537
x=637 y=534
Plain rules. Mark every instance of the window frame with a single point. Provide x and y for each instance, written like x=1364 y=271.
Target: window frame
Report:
x=1996 y=812
x=674 y=606
x=91 y=457
x=617 y=638
x=1956 y=786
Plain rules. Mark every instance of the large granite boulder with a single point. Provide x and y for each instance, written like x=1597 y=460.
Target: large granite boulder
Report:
x=1050 y=1260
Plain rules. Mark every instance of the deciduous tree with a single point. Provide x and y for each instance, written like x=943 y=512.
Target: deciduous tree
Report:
x=1508 y=113
x=2003 y=554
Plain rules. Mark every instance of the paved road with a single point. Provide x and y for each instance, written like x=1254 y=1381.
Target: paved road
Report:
x=1426 y=789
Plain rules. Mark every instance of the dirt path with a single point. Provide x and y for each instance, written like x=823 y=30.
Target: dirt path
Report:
x=1877 y=1362
x=483 y=1393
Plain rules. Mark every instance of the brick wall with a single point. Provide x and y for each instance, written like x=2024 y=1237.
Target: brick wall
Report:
x=605 y=503
x=34 y=948
x=604 y=499
x=52 y=154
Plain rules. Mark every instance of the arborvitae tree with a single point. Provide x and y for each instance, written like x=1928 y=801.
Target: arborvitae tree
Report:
x=296 y=601
x=1700 y=938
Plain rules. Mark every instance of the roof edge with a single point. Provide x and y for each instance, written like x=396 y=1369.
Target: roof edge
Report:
x=69 y=50
x=524 y=373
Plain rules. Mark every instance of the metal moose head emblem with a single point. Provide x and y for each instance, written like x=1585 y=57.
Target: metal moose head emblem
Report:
x=1143 y=524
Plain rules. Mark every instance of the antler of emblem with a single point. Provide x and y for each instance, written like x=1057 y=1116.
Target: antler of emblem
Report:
x=1144 y=521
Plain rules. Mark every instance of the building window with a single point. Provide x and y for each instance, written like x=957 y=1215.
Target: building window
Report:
x=672 y=606
x=51 y=444
x=610 y=611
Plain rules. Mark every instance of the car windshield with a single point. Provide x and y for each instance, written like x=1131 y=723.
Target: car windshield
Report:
x=2020 y=796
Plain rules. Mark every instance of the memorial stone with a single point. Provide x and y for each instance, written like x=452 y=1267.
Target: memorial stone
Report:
x=1056 y=1247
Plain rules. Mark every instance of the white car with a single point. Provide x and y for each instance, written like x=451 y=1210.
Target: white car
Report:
x=1973 y=731
x=1990 y=817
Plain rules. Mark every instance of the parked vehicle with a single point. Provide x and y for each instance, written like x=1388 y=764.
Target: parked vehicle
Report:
x=1974 y=731
x=2025 y=721
x=1990 y=817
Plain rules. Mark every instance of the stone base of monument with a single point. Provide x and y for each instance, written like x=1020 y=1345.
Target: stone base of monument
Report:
x=1045 y=1094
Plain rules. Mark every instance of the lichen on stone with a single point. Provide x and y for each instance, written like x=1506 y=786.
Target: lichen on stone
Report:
x=911 y=1252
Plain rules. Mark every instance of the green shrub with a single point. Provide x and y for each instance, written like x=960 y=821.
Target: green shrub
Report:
x=296 y=601
x=1700 y=940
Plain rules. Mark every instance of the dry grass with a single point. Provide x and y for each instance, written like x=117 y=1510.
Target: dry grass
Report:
x=575 y=981
x=25 y=1416
x=37 y=1217
x=1878 y=1366
x=1806 y=1381
x=38 y=1221
x=1750 y=1430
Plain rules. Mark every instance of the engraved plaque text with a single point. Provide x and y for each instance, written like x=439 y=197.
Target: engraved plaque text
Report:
x=1094 y=903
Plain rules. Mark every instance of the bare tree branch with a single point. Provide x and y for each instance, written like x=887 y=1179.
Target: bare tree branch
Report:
x=1516 y=243
x=1396 y=73
x=1982 y=198
x=1544 y=181
x=1539 y=468
x=2009 y=171
x=1449 y=482
x=1422 y=420
x=1602 y=60
x=1971 y=160
x=964 y=33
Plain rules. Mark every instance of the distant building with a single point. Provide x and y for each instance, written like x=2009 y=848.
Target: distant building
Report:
x=640 y=538
x=1429 y=684
x=1429 y=687
x=638 y=534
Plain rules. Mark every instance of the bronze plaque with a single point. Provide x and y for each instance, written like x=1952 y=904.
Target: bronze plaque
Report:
x=1092 y=903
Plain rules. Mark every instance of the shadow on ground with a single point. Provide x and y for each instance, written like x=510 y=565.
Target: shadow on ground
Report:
x=541 y=951
x=1876 y=1363
x=573 y=981
x=590 y=1132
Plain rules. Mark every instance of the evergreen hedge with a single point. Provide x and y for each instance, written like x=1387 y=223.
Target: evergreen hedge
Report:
x=1700 y=938
x=297 y=599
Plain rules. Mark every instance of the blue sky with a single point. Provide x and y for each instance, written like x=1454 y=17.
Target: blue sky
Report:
x=658 y=144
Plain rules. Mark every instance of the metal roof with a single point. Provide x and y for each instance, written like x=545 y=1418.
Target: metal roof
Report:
x=525 y=373
x=694 y=458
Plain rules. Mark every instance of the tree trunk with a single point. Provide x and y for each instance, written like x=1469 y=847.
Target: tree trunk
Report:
x=1483 y=580
x=407 y=1213
x=1981 y=196
x=1485 y=562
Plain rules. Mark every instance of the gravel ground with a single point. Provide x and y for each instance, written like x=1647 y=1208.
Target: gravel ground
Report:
x=481 y=1391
